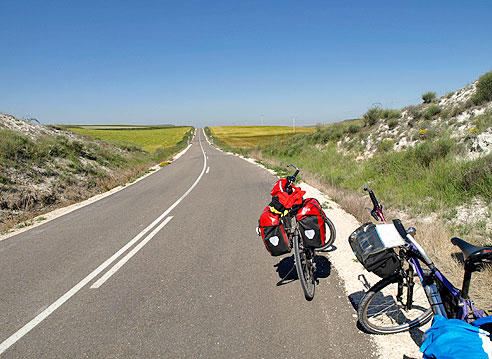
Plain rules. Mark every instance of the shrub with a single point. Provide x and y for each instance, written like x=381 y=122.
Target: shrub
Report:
x=388 y=113
x=414 y=112
x=484 y=90
x=392 y=123
x=446 y=113
x=474 y=178
x=354 y=128
x=429 y=151
x=431 y=111
x=371 y=116
x=429 y=96
x=483 y=121
x=386 y=145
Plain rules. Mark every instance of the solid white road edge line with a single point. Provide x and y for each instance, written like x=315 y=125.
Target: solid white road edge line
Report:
x=125 y=259
x=45 y=313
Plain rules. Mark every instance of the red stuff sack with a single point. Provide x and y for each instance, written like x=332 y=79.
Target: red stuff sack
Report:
x=273 y=233
x=311 y=220
x=283 y=200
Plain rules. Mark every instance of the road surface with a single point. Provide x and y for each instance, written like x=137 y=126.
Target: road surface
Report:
x=169 y=267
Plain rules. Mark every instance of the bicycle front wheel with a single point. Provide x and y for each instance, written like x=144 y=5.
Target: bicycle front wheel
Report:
x=304 y=260
x=386 y=308
x=331 y=234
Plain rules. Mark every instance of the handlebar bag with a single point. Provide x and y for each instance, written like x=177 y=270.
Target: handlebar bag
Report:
x=311 y=220
x=371 y=251
x=273 y=233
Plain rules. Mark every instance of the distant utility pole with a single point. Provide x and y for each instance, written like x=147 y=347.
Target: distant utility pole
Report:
x=294 y=124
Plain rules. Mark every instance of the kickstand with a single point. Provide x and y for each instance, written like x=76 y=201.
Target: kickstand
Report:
x=282 y=281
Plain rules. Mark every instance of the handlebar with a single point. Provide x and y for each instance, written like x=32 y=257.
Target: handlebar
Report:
x=377 y=211
x=291 y=179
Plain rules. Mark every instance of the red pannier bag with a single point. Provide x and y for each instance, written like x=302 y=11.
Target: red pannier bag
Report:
x=311 y=220
x=273 y=233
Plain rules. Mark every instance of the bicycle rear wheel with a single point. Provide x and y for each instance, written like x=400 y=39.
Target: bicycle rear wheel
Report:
x=331 y=234
x=304 y=260
x=383 y=311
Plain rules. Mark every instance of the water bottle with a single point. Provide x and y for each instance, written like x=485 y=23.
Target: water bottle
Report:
x=435 y=300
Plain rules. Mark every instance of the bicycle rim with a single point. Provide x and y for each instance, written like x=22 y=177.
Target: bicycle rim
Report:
x=304 y=261
x=382 y=312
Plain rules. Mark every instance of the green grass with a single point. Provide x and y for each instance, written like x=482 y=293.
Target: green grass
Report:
x=148 y=138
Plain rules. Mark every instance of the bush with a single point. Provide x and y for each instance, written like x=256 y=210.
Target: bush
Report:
x=354 y=128
x=483 y=121
x=476 y=177
x=371 y=116
x=429 y=96
x=388 y=113
x=428 y=151
x=431 y=111
x=484 y=90
x=386 y=145
x=392 y=123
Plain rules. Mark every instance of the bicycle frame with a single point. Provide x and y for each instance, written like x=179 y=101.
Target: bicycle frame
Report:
x=413 y=251
x=465 y=306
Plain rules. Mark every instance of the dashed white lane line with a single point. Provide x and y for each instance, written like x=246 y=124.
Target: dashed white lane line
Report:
x=60 y=301
x=208 y=169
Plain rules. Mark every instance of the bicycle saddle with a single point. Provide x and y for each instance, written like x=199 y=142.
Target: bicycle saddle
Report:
x=472 y=254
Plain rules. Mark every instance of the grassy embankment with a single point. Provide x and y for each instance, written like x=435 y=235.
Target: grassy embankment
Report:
x=43 y=173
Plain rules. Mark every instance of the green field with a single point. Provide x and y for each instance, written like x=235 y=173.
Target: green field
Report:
x=149 y=138
x=252 y=136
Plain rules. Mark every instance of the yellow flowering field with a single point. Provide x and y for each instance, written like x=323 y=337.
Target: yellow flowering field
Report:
x=252 y=136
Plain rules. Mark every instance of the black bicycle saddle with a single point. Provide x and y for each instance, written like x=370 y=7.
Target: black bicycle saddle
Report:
x=472 y=254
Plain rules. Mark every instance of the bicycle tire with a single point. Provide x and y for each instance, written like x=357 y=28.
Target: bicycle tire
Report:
x=305 y=269
x=380 y=312
x=331 y=237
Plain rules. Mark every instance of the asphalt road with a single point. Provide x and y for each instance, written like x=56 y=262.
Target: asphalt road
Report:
x=198 y=283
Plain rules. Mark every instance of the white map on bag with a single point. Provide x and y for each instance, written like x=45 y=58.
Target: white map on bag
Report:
x=389 y=235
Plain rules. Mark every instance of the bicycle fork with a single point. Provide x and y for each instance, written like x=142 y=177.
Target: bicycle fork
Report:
x=409 y=284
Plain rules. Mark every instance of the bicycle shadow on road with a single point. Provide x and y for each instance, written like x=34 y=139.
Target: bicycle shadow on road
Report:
x=286 y=269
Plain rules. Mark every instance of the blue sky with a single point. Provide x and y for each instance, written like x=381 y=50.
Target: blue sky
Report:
x=234 y=62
